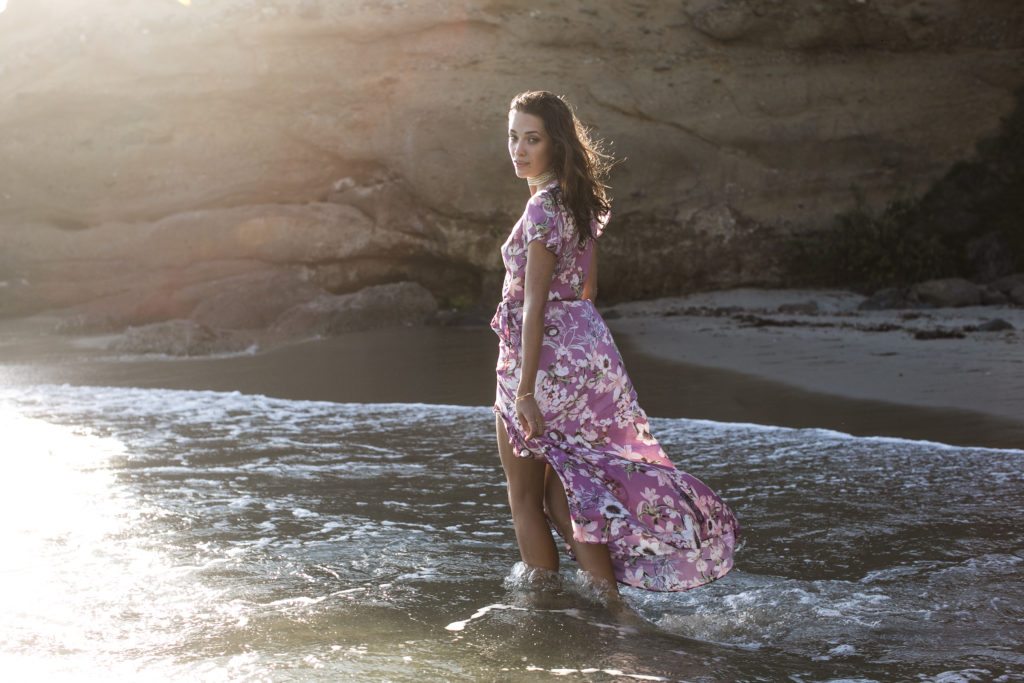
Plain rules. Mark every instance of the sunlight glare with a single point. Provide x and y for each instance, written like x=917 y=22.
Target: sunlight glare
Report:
x=85 y=587
x=56 y=481
x=58 y=507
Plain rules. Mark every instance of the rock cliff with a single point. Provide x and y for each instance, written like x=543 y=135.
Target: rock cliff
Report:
x=153 y=150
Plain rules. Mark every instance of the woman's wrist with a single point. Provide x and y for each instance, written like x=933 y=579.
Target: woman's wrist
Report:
x=521 y=396
x=524 y=388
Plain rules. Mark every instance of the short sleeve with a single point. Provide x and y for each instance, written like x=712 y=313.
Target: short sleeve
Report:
x=544 y=221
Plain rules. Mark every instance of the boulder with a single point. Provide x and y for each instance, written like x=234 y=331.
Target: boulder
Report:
x=951 y=292
x=1007 y=283
x=993 y=297
x=1012 y=286
x=251 y=301
x=179 y=338
x=885 y=299
x=390 y=305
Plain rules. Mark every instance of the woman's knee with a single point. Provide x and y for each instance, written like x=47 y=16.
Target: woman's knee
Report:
x=524 y=499
x=525 y=489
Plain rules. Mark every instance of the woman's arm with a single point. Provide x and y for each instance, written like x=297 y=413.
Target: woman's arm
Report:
x=540 y=267
x=590 y=286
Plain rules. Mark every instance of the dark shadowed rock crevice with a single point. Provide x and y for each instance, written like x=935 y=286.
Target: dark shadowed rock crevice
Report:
x=966 y=225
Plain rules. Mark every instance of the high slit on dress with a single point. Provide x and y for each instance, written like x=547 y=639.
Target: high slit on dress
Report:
x=665 y=529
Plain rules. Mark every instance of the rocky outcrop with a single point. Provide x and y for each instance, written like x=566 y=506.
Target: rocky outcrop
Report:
x=234 y=268
x=392 y=305
x=178 y=338
x=1012 y=286
x=884 y=299
x=947 y=293
x=258 y=312
x=162 y=148
x=251 y=301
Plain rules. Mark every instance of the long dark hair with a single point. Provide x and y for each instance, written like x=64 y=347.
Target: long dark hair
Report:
x=579 y=162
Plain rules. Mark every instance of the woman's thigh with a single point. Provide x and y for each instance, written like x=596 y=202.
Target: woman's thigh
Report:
x=525 y=476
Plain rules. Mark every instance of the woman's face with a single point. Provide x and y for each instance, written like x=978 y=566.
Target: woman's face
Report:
x=529 y=144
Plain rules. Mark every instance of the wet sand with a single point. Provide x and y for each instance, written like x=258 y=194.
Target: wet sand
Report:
x=813 y=358
x=683 y=390
x=450 y=365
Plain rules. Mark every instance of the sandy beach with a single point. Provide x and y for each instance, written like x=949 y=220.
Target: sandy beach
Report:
x=841 y=350
x=924 y=373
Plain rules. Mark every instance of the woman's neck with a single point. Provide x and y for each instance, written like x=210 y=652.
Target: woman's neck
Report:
x=540 y=180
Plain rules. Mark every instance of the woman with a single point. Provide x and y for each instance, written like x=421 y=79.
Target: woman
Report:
x=575 y=445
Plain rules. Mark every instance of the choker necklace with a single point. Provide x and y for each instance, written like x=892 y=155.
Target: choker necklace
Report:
x=542 y=179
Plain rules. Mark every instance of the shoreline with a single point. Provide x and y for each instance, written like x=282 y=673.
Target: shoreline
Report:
x=663 y=354
x=839 y=349
x=731 y=396
x=920 y=373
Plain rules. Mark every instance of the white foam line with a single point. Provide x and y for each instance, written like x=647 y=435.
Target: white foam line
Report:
x=831 y=433
x=392 y=408
x=611 y=672
x=300 y=600
x=459 y=625
x=570 y=612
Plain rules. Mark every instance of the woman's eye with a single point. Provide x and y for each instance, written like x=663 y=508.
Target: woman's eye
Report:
x=534 y=139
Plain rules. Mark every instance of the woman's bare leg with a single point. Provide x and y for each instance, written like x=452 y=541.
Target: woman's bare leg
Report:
x=593 y=558
x=526 y=499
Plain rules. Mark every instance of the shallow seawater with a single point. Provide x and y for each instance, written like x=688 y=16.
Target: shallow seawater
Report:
x=153 y=534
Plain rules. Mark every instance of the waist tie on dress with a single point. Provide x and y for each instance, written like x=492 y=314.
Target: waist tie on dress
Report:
x=508 y=319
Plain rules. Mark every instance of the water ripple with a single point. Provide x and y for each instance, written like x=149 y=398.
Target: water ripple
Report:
x=220 y=536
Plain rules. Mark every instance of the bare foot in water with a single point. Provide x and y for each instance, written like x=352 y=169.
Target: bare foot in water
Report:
x=607 y=593
x=534 y=586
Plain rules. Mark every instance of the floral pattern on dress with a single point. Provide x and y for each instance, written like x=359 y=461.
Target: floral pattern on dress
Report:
x=666 y=530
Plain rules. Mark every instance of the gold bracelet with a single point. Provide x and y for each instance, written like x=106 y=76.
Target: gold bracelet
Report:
x=526 y=395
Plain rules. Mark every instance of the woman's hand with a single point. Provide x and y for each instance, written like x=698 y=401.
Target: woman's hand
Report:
x=530 y=417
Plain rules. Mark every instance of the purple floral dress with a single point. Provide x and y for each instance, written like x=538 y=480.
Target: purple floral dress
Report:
x=665 y=529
